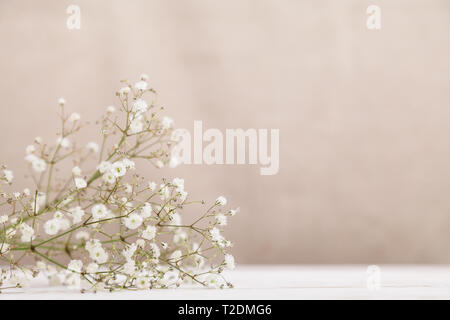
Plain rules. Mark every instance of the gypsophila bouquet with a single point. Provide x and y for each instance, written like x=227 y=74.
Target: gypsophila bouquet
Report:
x=102 y=226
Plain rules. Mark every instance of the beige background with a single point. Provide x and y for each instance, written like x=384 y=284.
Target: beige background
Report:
x=363 y=115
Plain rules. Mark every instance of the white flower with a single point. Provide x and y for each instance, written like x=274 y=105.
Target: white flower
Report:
x=109 y=177
x=9 y=176
x=146 y=211
x=92 y=147
x=74 y=117
x=4 y=218
x=124 y=90
x=63 y=142
x=154 y=248
x=64 y=224
x=39 y=165
x=128 y=163
x=233 y=212
x=183 y=195
x=52 y=227
x=229 y=262
x=80 y=183
x=164 y=191
x=77 y=213
x=99 y=255
x=143 y=282
x=175 y=219
x=128 y=188
x=139 y=106
x=30 y=149
x=110 y=109
x=27 y=232
x=76 y=171
x=118 y=169
x=166 y=122
x=61 y=101
x=104 y=166
x=136 y=126
x=152 y=185
x=129 y=251
x=99 y=211
x=133 y=221
x=144 y=77
x=75 y=265
x=221 y=219
x=149 y=233
x=140 y=243
x=215 y=234
x=129 y=267
x=221 y=201
x=92 y=268
x=26 y=191
x=82 y=235
x=178 y=183
x=141 y=85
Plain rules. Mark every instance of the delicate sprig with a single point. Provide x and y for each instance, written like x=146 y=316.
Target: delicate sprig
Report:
x=102 y=226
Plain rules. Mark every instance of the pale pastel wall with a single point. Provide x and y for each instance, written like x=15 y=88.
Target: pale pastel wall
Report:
x=363 y=115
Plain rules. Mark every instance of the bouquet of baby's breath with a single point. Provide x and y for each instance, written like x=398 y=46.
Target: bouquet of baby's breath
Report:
x=101 y=226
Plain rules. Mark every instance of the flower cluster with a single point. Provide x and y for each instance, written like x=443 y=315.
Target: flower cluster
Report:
x=103 y=226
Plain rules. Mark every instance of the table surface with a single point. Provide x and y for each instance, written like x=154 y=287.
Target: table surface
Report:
x=286 y=282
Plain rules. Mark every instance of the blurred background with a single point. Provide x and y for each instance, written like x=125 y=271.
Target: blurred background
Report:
x=363 y=114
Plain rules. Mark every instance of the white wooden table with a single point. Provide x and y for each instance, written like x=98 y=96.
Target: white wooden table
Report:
x=286 y=282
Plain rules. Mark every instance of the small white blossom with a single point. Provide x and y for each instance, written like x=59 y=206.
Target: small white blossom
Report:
x=39 y=165
x=221 y=201
x=146 y=211
x=75 y=265
x=74 y=117
x=92 y=268
x=4 y=218
x=229 y=262
x=109 y=177
x=142 y=282
x=149 y=233
x=61 y=101
x=136 y=126
x=118 y=169
x=52 y=227
x=80 y=183
x=9 y=176
x=30 y=149
x=63 y=142
x=221 y=219
x=139 y=106
x=110 y=109
x=99 y=211
x=92 y=147
x=141 y=85
x=82 y=235
x=104 y=166
x=166 y=122
x=133 y=221
x=178 y=183
x=152 y=185
x=77 y=214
